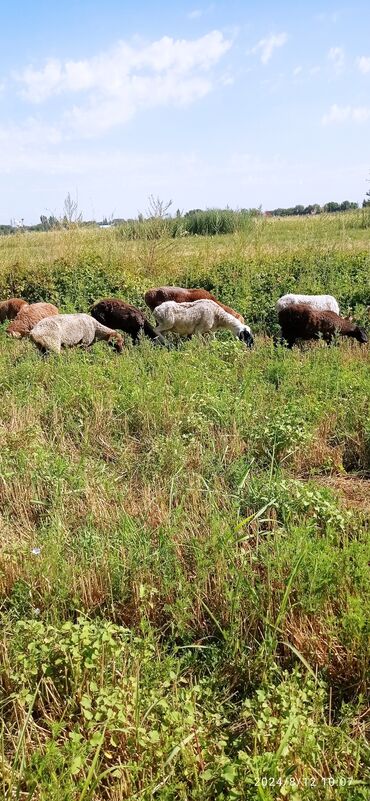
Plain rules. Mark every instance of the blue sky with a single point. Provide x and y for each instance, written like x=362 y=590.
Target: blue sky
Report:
x=204 y=103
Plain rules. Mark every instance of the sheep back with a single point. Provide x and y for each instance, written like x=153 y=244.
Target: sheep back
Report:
x=320 y=302
x=29 y=316
x=155 y=297
x=117 y=313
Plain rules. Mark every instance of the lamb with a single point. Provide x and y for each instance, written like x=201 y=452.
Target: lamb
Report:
x=301 y=321
x=117 y=314
x=10 y=308
x=154 y=297
x=28 y=316
x=72 y=329
x=198 y=317
x=321 y=302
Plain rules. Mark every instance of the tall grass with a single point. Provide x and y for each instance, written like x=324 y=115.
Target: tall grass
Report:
x=184 y=562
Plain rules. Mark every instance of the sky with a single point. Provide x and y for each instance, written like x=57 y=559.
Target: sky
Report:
x=203 y=103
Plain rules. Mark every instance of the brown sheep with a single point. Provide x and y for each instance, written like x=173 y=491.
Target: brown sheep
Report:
x=28 y=316
x=301 y=321
x=10 y=308
x=154 y=297
x=115 y=313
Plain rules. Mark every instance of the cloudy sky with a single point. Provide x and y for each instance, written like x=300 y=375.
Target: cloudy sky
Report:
x=206 y=104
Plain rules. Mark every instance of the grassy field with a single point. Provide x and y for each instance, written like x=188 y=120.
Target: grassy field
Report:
x=184 y=563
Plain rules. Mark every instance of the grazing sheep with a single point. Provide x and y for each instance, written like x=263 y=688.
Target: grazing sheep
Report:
x=28 y=316
x=118 y=314
x=321 y=302
x=301 y=321
x=72 y=329
x=10 y=308
x=198 y=317
x=154 y=297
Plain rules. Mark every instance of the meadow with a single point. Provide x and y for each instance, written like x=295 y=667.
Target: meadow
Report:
x=184 y=562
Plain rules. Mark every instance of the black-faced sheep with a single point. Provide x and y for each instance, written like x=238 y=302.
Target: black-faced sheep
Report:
x=66 y=330
x=10 y=308
x=116 y=313
x=321 y=302
x=199 y=317
x=303 y=322
x=154 y=297
x=28 y=316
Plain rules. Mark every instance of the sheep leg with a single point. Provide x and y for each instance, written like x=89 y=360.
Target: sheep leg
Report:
x=161 y=328
x=44 y=352
x=46 y=345
x=199 y=329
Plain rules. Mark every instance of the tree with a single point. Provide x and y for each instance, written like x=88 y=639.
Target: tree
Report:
x=71 y=215
x=331 y=206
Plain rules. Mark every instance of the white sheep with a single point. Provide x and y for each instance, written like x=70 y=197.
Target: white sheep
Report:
x=198 y=317
x=67 y=330
x=320 y=302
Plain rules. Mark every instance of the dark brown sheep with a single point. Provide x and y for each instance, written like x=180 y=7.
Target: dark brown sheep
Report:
x=10 y=308
x=154 y=297
x=303 y=322
x=28 y=316
x=116 y=313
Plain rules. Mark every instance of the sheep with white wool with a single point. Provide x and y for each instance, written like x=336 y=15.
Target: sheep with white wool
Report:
x=320 y=302
x=66 y=330
x=154 y=297
x=198 y=317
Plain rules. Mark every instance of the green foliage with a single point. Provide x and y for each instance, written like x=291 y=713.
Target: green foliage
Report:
x=184 y=592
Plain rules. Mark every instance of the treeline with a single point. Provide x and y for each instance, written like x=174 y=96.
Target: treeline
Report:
x=299 y=210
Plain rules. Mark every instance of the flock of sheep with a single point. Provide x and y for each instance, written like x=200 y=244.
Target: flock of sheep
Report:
x=176 y=309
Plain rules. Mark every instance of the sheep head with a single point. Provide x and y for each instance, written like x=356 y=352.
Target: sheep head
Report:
x=361 y=335
x=246 y=336
x=119 y=343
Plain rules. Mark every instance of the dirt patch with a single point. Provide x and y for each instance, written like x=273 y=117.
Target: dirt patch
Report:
x=354 y=491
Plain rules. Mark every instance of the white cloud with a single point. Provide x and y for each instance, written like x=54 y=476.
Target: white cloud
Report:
x=336 y=57
x=339 y=114
x=297 y=70
x=329 y=17
x=111 y=71
x=31 y=132
x=195 y=14
x=363 y=64
x=103 y=113
x=117 y=84
x=265 y=47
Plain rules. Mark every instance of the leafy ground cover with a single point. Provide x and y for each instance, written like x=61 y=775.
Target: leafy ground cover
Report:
x=184 y=534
